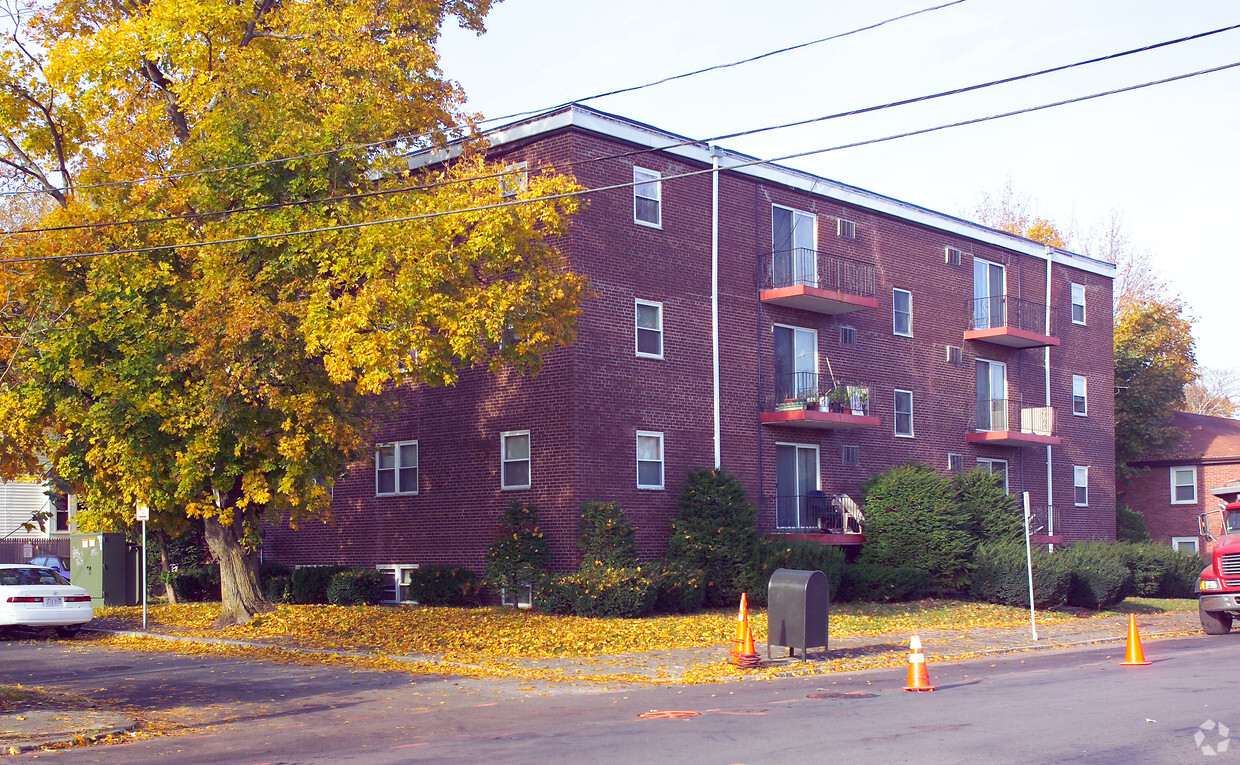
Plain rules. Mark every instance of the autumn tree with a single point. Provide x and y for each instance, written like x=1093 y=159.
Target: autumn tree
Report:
x=168 y=341
x=1216 y=392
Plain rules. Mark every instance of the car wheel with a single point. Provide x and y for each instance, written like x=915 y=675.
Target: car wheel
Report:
x=1214 y=622
x=72 y=630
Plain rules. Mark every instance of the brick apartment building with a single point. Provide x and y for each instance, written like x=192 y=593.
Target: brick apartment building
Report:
x=1174 y=489
x=855 y=332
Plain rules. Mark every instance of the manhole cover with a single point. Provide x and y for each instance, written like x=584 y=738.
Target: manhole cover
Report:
x=668 y=714
x=839 y=695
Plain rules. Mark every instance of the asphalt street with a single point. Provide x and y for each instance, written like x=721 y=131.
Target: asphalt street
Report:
x=1076 y=705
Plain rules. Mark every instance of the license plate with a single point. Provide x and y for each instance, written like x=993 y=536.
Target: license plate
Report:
x=53 y=601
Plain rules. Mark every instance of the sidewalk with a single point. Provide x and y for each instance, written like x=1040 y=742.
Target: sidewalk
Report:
x=60 y=721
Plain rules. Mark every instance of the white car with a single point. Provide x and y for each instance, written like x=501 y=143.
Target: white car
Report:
x=34 y=596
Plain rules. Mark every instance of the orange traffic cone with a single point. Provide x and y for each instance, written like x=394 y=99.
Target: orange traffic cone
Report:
x=742 y=622
x=918 y=678
x=1133 y=656
x=745 y=655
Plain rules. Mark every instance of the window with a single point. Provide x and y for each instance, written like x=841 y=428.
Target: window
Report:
x=1185 y=544
x=955 y=354
x=1184 y=485
x=988 y=295
x=796 y=363
x=647 y=198
x=794 y=243
x=902 y=312
x=852 y=455
x=396 y=582
x=848 y=336
x=649 y=460
x=995 y=467
x=1078 y=303
x=521 y=596
x=514 y=179
x=649 y=321
x=904 y=413
x=952 y=256
x=797 y=486
x=955 y=463
x=515 y=459
x=1078 y=395
x=396 y=468
x=1080 y=485
x=991 y=386
x=847 y=229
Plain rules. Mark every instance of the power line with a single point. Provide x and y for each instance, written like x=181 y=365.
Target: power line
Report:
x=636 y=152
x=427 y=134
x=584 y=192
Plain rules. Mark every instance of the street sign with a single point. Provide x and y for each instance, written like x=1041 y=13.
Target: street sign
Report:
x=144 y=513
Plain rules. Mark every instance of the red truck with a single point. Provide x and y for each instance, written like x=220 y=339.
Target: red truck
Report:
x=1218 y=588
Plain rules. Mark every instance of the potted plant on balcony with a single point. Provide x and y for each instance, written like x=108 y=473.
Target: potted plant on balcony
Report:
x=838 y=398
x=810 y=395
x=858 y=398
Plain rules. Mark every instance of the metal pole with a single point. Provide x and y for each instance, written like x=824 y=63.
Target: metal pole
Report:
x=144 y=575
x=1033 y=622
x=715 y=153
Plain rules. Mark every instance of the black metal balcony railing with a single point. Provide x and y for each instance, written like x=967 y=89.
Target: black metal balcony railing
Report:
x=802 y=266
x=1004 y=414
x=1005 y=311
x=817 y=511
x=809 y=390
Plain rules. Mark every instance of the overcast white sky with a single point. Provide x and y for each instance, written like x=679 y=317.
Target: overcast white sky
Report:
x=1167 y=158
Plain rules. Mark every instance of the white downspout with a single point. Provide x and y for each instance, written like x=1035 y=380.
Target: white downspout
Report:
x=1050 y=504
x=715 y=153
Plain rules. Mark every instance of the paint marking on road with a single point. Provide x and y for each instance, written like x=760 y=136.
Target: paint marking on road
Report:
x=492 y=704
x=410 y=746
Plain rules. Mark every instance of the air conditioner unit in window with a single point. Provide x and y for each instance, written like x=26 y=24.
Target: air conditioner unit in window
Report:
x=847 y=229
x=954 y=354
x=953 y=257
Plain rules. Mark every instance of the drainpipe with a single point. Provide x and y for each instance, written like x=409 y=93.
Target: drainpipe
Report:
x=1050 y=513
x=715 y=153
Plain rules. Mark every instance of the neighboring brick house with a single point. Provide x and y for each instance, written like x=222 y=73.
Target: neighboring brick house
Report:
x=931 y=332
x=1172 y=490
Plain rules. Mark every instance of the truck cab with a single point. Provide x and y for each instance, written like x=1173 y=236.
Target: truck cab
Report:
x=1218 y=588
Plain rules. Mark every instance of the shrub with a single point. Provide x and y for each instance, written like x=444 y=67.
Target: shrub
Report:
x=914 y=519
x=679 y=589
x=444 y=586
x=520 y=555
x=196 y=584
x=715 y=533
x=1160 y=571
x=1130 y=525
x=1100 y=580
x=1001 y=576
x=1180 y=579
x=310 y=583
x=775 y=553
x=606 y=536
x=871 y=583
x=991 y=514
x=276 y=581
x=600 y=591
x=557 y=595
x=356 y=587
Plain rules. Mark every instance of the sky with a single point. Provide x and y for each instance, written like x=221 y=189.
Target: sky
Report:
x=1166 y=159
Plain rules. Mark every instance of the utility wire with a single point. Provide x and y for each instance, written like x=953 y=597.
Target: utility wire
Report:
x=427 y=134
x=636 y=152
x=584 y=192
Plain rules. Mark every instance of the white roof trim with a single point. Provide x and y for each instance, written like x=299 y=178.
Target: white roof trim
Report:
x=645 y=135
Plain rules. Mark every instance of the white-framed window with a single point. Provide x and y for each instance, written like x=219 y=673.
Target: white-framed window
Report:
x=521 y=596
x=1080 y=485
x=396 y=468
x=647 y=197
x=846 y=229
x=648 y=321
x=902 y=312
x=1078 y=303
x=514 y=179
x=796 y=362
x=396 y=581
x=1186 y=544
x=794 y=247
x=851 y=454
x=649 y=460
x=904 y=413
x=848 y=336
x=995 y=467
x=515 y=468
x=797 y=485
x=991 y=395
x=1080 y=405
x=1184 y=485
x=955 y=463
x=989 y=294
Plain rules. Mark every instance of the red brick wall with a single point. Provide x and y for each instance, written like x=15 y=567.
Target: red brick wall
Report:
x=585 y=407
x=1150 y=494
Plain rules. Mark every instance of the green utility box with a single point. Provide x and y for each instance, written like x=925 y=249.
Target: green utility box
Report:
x=105 y=566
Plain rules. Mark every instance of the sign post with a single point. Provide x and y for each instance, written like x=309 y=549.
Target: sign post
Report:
x=143 y=514
x=1033 y=622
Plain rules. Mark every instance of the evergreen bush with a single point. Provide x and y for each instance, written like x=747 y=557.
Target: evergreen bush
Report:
x=197 y=584
x=878 y=584
x=679 y=588
x=1130 y=525
x=774 y=553
x=356 y=587
x=715 y=533
x=444 y=586
x=520 y=555
x=1100 y=580
x=310 y=583
x=1158 y=571
x=1001 y=576
x=606 y=536
x=599 y=591
x=991 y=514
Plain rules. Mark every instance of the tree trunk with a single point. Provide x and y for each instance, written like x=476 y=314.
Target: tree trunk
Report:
x=170 y=592
x=240 y=595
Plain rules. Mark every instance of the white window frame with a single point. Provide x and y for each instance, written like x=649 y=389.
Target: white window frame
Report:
x=896 y=414
x=1078 y=290
x=399 y=448
x=958 y=459
x=895 y=312
x=504 y=461
x=649 y=434
x=817 y=474
x=643 y=179
x=522 y=596
x=1080 y=383
x=1178 y=542
x=638 y=329
x=514 y=179
x=400 y=576
x=1080 y=482
x=988 y=464
x=1193 y=470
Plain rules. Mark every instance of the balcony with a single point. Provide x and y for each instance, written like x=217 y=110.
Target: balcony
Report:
x=1010 y=322
x=800 y=402
x=812 y=281
x=815 y=516
x=998 y=422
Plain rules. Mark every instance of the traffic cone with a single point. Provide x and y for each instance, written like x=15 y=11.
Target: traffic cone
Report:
x=742 y=623
x=745 y=656
x=918 y=678
x=1133 y=656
